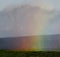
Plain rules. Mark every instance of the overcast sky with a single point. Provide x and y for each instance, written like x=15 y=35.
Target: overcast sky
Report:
x=4 y=3
x=45 y=4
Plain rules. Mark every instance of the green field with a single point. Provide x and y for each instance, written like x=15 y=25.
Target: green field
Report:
x=5 y=53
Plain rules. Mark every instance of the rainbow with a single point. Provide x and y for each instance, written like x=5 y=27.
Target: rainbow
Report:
x=36 y=29
x=37 y=43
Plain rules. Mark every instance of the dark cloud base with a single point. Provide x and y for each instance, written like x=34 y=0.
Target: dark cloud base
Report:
x=51 y=42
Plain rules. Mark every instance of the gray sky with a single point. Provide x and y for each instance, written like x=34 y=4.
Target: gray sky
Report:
x=4 y=3
x=6 y=28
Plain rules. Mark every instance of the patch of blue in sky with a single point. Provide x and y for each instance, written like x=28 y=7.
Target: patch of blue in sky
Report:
x=4 y=3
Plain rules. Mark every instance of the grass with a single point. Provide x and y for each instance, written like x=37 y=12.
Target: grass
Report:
x=6 y=53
